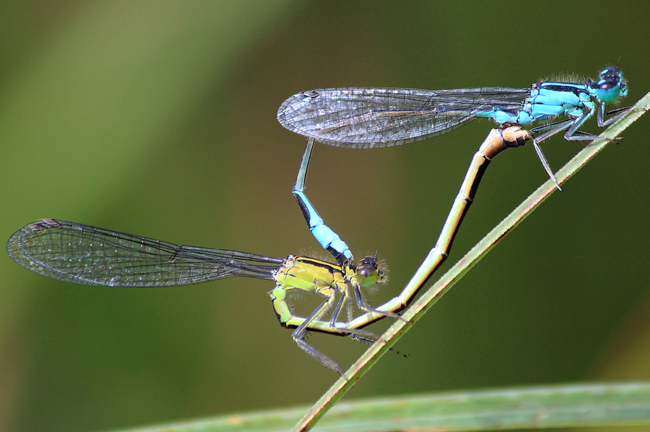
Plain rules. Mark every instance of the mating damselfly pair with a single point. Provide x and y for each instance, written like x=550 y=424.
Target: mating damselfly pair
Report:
x=347 y=117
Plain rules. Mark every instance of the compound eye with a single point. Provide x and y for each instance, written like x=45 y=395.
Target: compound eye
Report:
x=610 y=72
x=368 y=262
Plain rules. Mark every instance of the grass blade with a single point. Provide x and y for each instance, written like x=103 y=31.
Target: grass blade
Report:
x=529 y=408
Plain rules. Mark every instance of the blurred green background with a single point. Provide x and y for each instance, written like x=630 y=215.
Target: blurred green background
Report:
x=158 y=118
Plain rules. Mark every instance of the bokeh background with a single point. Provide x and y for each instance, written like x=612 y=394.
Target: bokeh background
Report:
x=158 y=118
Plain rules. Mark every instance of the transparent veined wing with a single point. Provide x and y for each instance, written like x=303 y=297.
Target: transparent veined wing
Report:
x=381 y=117
x=84 y=254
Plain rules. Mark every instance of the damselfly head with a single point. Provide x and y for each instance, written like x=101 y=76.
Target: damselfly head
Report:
x=610 y=85
x=369 y=272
